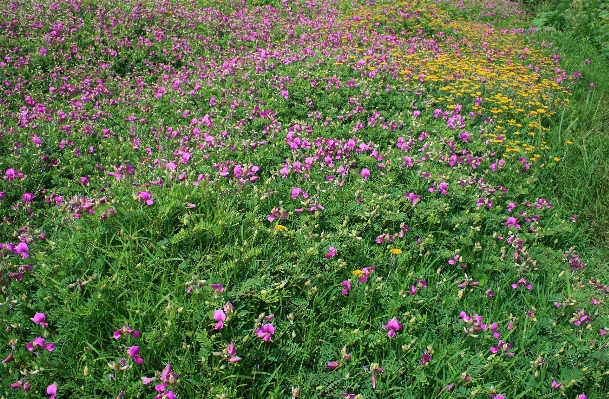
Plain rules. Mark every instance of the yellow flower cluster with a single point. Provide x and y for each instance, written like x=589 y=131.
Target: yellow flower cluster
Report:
x=468 y=62
x=358 y=273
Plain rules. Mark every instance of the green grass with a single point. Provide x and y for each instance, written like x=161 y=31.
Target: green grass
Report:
x=303 y=204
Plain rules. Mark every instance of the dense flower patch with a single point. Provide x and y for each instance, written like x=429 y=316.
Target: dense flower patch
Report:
x=299 y=199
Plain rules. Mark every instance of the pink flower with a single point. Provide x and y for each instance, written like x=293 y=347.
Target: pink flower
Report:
x=8 y=358
x=125 y=331
x=220 y=317
x=168 y=376
x=266 y=331
x=147 y=380
x=512 y=222
x=556 y=384
x=165 y=394
x=297 y=191
x=28 y=197
x=22 y=249
x=347 y=287
x=52 y=390
x=232 y=352
x=332 y=365
x=146 y=197
x=331 y=253
x=426 y=358
x=217 y=287
x=367 y=272
x=39 y=319
x=522 y=282
x=134 y=353
x=39 y=342
x=392 y=325
x=502 y=347
x=454 y=260
x=365 y=173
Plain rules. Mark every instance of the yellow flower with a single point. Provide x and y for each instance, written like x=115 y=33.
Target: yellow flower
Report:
x=556 y=159
x=279 y=227
x=395 y=251
x=358 y=273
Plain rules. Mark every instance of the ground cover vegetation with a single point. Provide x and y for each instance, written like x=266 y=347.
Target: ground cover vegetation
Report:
x=300 y=199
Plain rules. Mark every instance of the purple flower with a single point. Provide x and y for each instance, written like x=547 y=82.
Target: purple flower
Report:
x=367 y=271
x=52 y=390
x=220 y=317
x=146 y=197
x=580 y=317
x=365 y=173
x=39 y=342
x=392 y=325
x=266 y=331
x=134 y=353
x=22 y=249
x=332 y=365
x=39 y=319
x=502 y=347
x=232 y=352
x=522 y=282
x=296 y=191
x=455 y=260
x=511 y=222
x=331 y=252
x=125 y=331
x=28 y=197
x=556 y=384
x=147 y=380
x=426 y=358
x=347 y=287
x=217 y=287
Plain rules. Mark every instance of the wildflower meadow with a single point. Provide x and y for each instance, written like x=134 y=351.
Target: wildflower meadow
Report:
x=301 y=199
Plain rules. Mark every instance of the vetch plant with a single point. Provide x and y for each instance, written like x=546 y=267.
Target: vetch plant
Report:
x=278 y=151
